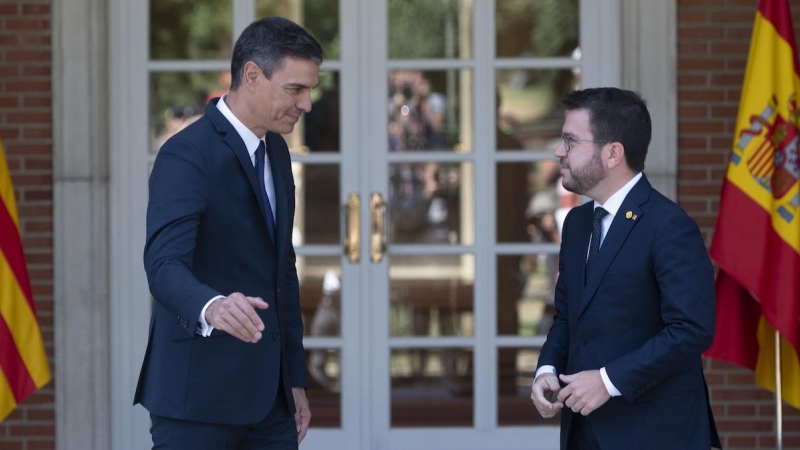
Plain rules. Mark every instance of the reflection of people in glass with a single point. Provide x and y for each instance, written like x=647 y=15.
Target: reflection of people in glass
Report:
x=326 y=322
x=417 y=114
x=635 y=294
x=223 y=86
x=225 y=361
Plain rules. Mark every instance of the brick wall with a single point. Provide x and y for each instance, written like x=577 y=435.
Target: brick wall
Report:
x=25 y=127
x=713 y=43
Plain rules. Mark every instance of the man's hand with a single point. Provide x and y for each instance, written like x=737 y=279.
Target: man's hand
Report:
x=584 y=392
x=303 y=414
x=236 y=314
x=545 y=388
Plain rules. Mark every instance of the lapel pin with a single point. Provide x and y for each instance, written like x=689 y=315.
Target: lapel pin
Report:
x=631 y=216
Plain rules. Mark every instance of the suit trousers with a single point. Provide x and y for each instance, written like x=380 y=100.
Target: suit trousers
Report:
x=277 y=431
x=581 y=436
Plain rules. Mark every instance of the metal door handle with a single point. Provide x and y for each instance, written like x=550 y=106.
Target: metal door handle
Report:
x=377 y=232
x=352 y=241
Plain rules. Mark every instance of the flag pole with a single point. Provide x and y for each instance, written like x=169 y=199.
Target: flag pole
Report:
x=778 y=393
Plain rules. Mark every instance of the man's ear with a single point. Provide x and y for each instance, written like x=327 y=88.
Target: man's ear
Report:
x=250 y=74
x=615 y=155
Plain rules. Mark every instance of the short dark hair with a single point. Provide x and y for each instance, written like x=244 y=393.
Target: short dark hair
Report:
x=616 y=115
x=267 y=42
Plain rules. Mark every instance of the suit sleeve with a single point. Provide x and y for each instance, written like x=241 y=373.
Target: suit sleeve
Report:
x=685 y=279
x=556 y=348
x=177 y=199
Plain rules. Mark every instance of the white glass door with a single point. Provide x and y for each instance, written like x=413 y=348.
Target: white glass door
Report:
x=428 y=208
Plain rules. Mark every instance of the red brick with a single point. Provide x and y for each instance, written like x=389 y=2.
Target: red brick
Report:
x=702 y=33
x=693 y=80
x=740 y=442
x=701 y=158
x=28 y=86
x=727 y=79
x=44 y=445
x=9 y=102
x=8 y=40
x=8 y=10
x=729 y=48
x=725 y=111
x=36 y=102
x=35 y=39
x=27 y=24
x=705 y=127
x=693 y=48
x=704 y=96
x=36 y=71
x=686 y=62
x=27 y=55
x=727 y=16
x=739 y=33
x=694 y=17
x=40 y=9
x=37 y=133
x=7 y=72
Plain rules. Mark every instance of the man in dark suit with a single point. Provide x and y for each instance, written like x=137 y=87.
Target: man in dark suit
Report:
x=634 y=297
x=225 y=364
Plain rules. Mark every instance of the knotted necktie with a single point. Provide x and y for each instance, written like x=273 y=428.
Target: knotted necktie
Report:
x=594 y=245
x=260 y=155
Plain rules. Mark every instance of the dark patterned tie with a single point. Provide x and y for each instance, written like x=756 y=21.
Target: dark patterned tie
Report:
x=260 y=155
x=594 y=245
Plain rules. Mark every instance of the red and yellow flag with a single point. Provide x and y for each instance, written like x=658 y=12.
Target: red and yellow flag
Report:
x=23 y=363
x=757 y=239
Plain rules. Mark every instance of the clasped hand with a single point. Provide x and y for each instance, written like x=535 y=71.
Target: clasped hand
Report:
x=236 y=314
x=584 y=392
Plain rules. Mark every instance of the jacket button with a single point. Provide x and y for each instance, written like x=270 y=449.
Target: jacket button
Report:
x=584 y=341
x=279 y=291
x=276 y=336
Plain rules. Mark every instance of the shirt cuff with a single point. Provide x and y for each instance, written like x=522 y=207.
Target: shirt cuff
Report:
x=545 y=369
x=612 y=390
x=203 y=328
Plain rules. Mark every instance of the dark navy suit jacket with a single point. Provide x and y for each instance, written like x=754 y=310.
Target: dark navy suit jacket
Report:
x=646 y=314
x=207 y=235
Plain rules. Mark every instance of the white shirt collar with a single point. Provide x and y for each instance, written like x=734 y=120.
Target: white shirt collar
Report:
x=614 y=202
x=250 y=139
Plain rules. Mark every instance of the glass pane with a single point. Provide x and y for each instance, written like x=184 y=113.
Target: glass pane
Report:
x=529 y=114
x=431 y=203
x=531 y=28
x=319 y=17
x=432 y=388
x=177 y=99
x=432 y=295
x=430 y=110
x=196 y=29
x=430 y=29
x=320 y=295
x=531 y=202
x=525 y=290
x=317 y=209
x=516 y=368
x=318 y=130
x=324 y=387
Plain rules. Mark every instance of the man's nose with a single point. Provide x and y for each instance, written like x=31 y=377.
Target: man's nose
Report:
x=305 y=103
x=561 y=149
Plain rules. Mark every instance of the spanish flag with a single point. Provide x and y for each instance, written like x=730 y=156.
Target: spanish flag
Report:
x=23 y=363
x=757 y=239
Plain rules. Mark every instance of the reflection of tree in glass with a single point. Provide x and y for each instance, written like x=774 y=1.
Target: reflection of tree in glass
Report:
x=196 y=30
x=541 y=28
x=415 y=27
x=319 y=17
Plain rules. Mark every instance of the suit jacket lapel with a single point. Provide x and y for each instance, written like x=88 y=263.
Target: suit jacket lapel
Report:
x=615 y=238
x=238 y=148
